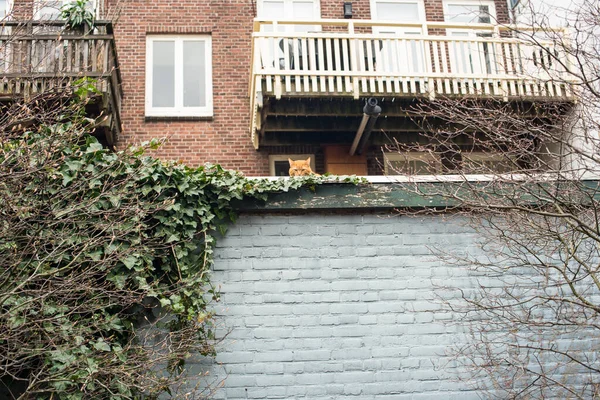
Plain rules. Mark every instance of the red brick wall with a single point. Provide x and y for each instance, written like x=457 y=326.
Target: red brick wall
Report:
x=22 y=9
x=433 y=9
x=225 y=138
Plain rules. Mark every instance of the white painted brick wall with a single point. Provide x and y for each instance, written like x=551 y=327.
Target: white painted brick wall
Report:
x=338 y=306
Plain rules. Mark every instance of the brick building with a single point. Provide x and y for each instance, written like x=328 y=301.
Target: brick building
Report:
x=224 y=135
x=319 y=304
x=226 y=83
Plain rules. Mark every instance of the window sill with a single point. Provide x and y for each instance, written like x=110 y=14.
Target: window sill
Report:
x=177 y=118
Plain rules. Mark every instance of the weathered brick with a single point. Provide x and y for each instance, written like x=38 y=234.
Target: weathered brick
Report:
x=315 y=324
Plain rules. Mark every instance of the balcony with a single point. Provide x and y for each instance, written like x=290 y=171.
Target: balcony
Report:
x=37 y=56
x=344 y=60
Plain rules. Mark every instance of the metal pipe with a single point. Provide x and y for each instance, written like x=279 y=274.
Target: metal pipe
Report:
x=365 y=139
x=359 y=132
x=371 y=108
x=370 y=113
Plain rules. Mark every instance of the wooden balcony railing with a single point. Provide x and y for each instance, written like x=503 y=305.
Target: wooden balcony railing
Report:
x=38 y=56
x=350 y=58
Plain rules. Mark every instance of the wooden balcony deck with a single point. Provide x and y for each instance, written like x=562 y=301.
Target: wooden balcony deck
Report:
x=39 y=56
x=360 y=58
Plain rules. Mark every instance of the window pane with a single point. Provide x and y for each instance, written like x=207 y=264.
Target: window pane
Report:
x=3 y=10
x=271 y=10
x=282 y=168
x=484 y=15
x=303 y=10
x=403 y=12
x=163 y=77
x=466 y=13
x=48 y=9
x=194 y=74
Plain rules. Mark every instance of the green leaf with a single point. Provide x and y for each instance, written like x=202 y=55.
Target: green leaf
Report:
x=165 y=302
x=67 y=178
x=101 y=345
x=94 y=147
x=64 y=358
x=95 y=255
x=49 y=309
x=120 y=280
x=74 y=165
x=130 y=261
x=172 y=238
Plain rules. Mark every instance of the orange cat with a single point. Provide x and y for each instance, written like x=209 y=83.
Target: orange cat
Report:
x=300 y=167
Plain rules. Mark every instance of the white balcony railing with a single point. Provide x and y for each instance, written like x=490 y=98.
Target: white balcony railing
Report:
x=347 y=58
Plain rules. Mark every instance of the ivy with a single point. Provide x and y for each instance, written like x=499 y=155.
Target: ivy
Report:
x=99 y=246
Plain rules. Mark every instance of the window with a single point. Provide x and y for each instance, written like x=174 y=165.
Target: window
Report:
x=50 y=9
x=407 y=55
x=469 y=12
x=486 y=163
x=179 y=76
x=290 y=10
x=294 y=10
x=398 y=11
x=421 y=163
x=47 y=9
x=411 y=163
x=280 y=166
x=471 y=57
x=5 y=8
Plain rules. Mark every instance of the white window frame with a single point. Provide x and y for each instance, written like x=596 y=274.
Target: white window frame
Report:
x=179 y=110
x=9 y=6
x=38 y=6
x=413 y=49
x=389 y=157
x=436 y=159
x=288 y=10
x=278 y=60
x=490 y=3
x=284 y=157
x=420 y=4
x=475 y=65
x=479 y=157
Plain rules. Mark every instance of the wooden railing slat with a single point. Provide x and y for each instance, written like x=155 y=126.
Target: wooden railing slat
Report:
x=337 y=65
x=320 y=55
x=329 y=66
x=345 y=45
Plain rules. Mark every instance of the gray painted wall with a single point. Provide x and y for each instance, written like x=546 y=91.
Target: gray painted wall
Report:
x=338 y=306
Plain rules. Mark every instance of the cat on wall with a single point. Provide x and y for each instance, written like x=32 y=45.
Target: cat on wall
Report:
x=301 y=167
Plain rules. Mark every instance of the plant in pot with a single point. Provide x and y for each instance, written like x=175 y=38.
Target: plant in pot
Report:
x=77 y=16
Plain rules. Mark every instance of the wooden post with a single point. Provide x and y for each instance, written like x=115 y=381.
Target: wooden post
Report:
x=500 y=64
x=353 y=61
x=428 y=70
